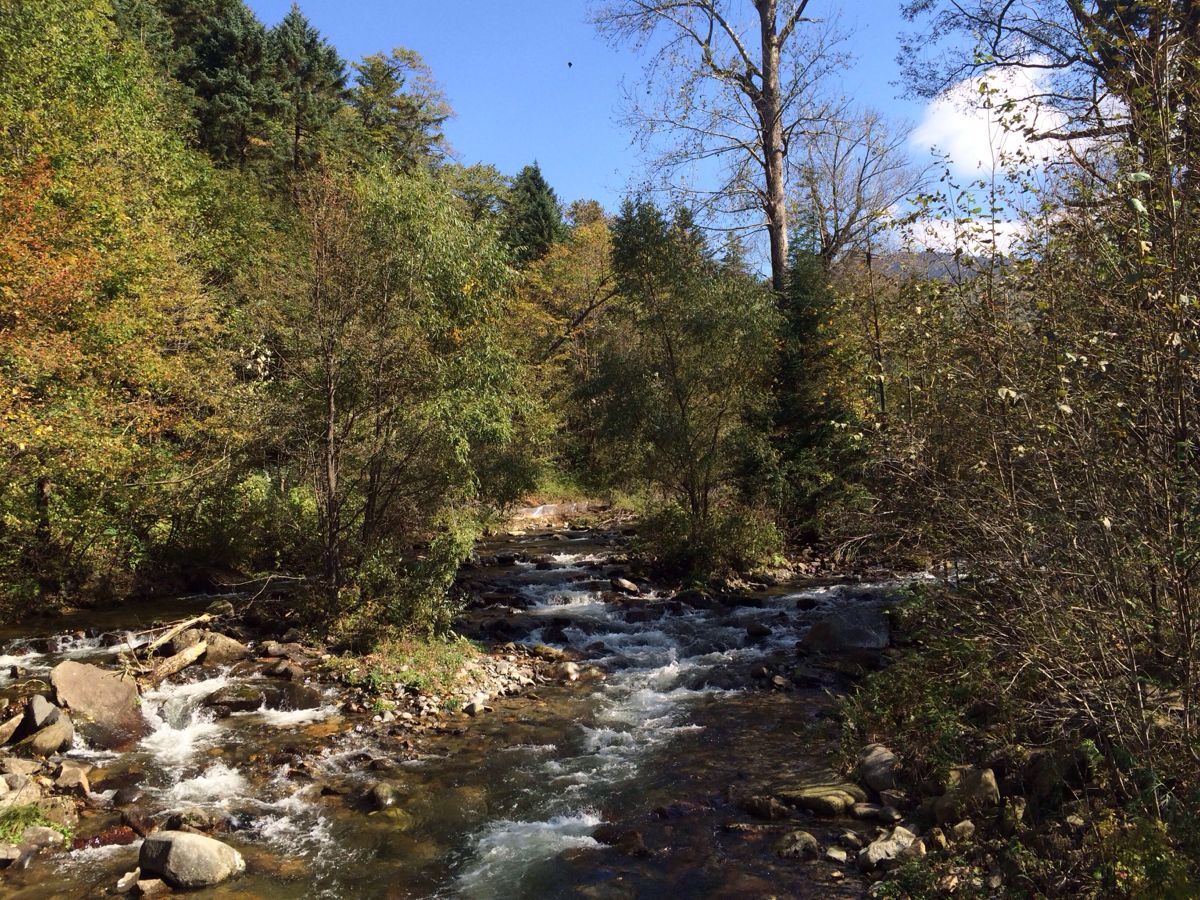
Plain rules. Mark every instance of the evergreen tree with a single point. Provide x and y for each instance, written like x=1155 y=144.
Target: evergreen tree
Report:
x=401 y=108
x=532 y=217
x=222 y=58
x=814 y=444
x=312 y=78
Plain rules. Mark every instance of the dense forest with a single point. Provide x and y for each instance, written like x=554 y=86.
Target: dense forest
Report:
x=258 y=319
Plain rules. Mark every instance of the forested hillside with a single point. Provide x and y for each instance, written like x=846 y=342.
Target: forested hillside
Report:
x=260 y=324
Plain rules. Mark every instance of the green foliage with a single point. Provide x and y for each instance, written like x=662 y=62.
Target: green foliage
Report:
x=921 y=705
x=681 y=372
x=816 y=449
x=15 y=819
x=1140 y=861
x=400 y=107
x=311 y=77
x=532 y=219
x=391 y=386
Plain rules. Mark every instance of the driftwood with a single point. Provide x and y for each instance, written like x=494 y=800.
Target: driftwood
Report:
x=178 y=662
x=176 y=629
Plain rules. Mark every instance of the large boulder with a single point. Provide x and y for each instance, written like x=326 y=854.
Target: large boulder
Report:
x=186 y=860
x=862 y=626
x=877 y=767
x=223 y=650
x=105 y=703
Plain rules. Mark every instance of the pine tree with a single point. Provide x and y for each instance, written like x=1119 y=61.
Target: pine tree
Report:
x=223 y=58
x=816 y=449
x=532 y=217
x=401 y=108
x=312 y=78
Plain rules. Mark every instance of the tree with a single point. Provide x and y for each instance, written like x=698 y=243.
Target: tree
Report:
x=849 y=173
x=390 y=382
x=814 y=427
x=401 y=108
x=228 y=66
x=532 y=219
x=738 y=81
x=312 y=78
x=681 y=372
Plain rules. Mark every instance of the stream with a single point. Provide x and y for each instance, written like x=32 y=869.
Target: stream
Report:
x=693 y=710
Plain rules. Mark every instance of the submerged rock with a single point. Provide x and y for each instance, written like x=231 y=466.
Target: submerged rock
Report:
x=186 y=860
x=798 y=845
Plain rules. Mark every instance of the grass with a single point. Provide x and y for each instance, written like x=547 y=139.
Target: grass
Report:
x=15 y=819
x=430 y=665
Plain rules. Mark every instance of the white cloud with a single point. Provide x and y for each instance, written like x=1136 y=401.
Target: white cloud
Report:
x=974 y=126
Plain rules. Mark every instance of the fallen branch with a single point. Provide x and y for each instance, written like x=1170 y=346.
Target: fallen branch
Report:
x=178 y=662
x=175 y=630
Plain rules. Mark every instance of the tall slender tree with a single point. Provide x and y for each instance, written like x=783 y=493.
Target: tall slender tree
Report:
x=738 y=79
x=312 y=78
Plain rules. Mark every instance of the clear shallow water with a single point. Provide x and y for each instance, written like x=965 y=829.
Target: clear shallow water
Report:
x=508 y=808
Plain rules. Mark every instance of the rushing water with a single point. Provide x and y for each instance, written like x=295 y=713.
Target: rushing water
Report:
x=507 y=808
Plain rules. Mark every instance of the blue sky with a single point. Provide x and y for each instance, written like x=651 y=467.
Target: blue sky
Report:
x=503 y=66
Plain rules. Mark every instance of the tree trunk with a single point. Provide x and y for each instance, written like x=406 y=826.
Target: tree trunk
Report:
x=771 y=126
x=332 y=524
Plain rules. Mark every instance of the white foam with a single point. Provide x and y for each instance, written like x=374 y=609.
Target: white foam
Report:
x=180 y=726
x=508 y=850
x=216 y=785
x=289 y=718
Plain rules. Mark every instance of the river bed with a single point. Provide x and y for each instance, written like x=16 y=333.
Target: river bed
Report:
x=696 y=710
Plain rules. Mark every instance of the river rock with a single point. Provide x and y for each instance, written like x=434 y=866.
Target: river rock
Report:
x=41 y=837
x=627 y=840
x=22 y=791
x=863 y=626
x=54 y=738
x=9 y=854
x=223 y=650
x=964 y=831
x=39 y=713
x=798 y=845
x=186 y=860
x=765 y=807
x=624 y=585
x=189 y=637
x=874 y=812
x=106 y=703
x=970 y=790
x=886 y=850
x=11 y=765
x=236 y=697
x=837 y=855
x=382 y=795
x=877 y=767
x=830 y=799
x=758 y=630
x=151 y=887
x=9 y=728
x=73 y=776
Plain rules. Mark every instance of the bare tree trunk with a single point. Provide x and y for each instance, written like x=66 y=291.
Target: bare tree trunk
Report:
x=771 y=126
